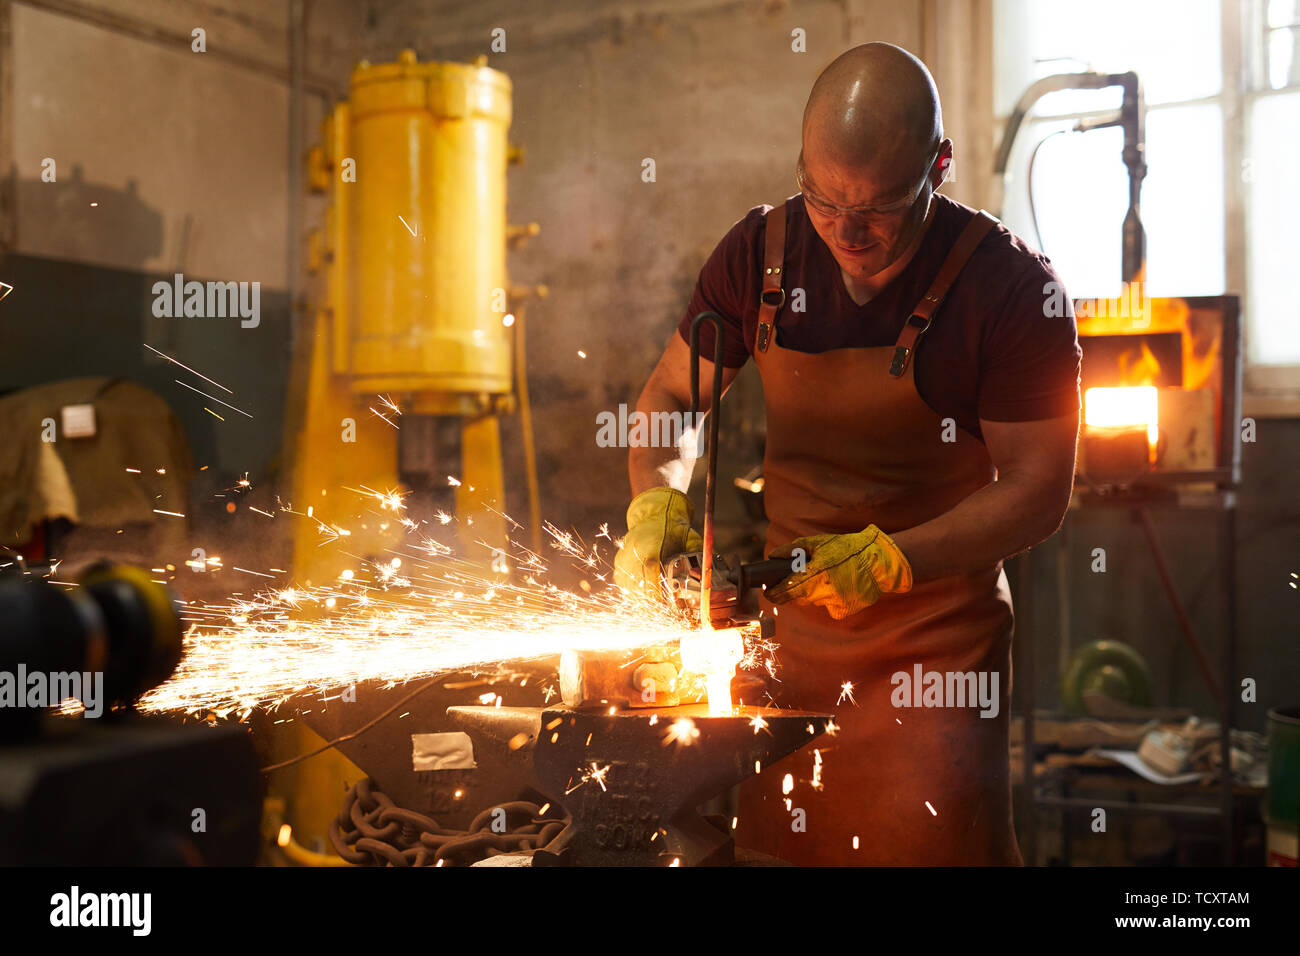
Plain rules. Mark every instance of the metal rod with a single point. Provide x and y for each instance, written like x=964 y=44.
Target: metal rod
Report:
x=1124 y=806
x=526 y=428
x=1184 y=623
x=711 y=475
x=1228 y=716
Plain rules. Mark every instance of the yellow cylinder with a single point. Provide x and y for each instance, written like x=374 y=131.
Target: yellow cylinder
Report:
x=425 y=229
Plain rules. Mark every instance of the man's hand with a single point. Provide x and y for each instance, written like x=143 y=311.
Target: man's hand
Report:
x=845 y=573
x=658 y=528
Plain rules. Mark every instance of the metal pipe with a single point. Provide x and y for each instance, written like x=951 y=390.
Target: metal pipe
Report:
x=297 y=55
x=1131 y=116
x=526 y=429
x=711 y=475
x=1033 y=93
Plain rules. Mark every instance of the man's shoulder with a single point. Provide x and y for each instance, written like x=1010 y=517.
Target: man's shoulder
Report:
x=1002 y=249
x=751 y=227
x=1003 y=259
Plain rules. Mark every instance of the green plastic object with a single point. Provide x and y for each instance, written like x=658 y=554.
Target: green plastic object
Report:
x=1113 y=668
x=1284 y=767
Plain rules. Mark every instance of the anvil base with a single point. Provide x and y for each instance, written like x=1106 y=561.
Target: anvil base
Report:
x=632 y=780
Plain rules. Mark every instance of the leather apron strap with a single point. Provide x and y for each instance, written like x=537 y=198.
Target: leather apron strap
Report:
x=919 y=321
x=773 y=295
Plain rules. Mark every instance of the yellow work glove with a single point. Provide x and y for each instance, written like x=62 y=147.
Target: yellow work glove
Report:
x=845 y=573
x=658 y=528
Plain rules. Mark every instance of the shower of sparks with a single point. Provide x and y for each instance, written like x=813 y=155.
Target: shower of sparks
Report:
x=212 y=413
x=846 y=693
x=212 y=397
x=817 y=770
x=258 y=573
x=758 y=723
x=681 y=731
x=932 y=810
x=382 y=416
x=595 y=774
x=408 y=228
x=832 y=728
x=7 y=288
x=441 y=613
x=187 y=368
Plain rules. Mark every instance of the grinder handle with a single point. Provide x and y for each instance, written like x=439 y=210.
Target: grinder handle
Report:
x=760 y=573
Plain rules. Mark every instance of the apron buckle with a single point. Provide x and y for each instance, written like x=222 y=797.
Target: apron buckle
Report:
x=899 y=364
x=764 y=335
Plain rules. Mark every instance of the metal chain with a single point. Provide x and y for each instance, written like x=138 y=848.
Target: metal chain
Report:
x=371 y=830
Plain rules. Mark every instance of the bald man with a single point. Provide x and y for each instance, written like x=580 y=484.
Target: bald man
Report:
x=908 y=361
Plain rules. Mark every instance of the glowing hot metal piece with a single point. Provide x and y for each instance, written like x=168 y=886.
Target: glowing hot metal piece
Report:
x=714 y=655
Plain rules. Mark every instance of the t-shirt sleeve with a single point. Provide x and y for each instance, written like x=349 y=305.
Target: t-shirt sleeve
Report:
x=721 y=288
x=1030 y=357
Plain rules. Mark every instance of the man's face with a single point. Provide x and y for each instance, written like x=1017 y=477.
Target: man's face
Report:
x=890 y=199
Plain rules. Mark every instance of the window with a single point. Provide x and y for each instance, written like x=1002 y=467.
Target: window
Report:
x=1223 y=132
x=1272 y=108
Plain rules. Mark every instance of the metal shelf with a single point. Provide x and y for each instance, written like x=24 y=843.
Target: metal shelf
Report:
x=1223 y=502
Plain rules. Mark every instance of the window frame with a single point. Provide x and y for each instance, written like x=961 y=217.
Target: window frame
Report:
x=1267 y=390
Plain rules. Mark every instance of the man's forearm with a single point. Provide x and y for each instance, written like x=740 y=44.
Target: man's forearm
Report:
x=1000 y=520
x=644 y=463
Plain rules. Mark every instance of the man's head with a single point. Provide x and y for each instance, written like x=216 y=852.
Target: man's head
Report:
x=872 y=143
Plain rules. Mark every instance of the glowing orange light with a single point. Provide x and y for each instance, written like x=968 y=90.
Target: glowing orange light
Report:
x=1125 y=406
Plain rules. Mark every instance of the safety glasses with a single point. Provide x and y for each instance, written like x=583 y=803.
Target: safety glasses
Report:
x=871 y=211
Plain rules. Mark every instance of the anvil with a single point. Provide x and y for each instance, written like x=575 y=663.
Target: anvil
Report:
x=632 y=780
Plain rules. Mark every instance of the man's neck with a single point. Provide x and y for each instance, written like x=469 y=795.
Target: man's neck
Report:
x=862 y=291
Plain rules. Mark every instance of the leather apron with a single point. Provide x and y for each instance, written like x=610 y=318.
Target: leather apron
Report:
x=850 y=443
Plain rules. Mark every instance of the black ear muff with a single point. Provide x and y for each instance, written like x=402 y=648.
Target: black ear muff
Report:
x=144 y=629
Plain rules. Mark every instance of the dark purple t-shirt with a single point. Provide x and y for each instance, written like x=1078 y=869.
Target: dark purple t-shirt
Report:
x=993 y=351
